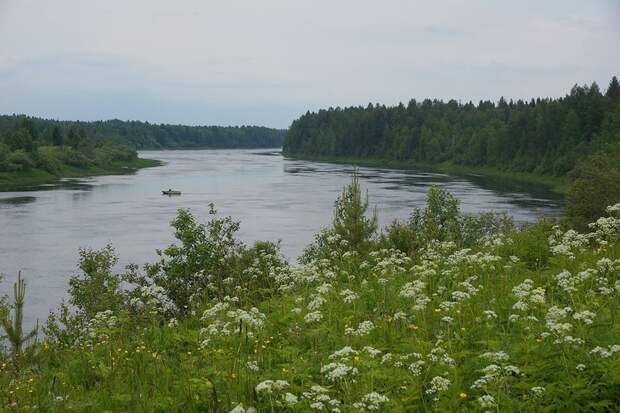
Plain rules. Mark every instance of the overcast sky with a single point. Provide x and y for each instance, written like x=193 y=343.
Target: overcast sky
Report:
x=268 y=61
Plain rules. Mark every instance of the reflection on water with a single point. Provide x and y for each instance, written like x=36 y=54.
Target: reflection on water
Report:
x=17 y=200
x=274 y=198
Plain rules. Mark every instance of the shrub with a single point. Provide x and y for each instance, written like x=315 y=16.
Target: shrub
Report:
x=596 y=184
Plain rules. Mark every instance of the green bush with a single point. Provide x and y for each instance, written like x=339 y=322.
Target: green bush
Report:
x=596 y=184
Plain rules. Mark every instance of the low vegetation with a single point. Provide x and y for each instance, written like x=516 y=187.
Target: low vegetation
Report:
x=445 y=312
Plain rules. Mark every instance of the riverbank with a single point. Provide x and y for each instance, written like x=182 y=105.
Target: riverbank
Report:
x=10 y=181
x=557 y=185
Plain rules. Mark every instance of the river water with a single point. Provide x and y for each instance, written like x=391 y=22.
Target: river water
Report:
x=275 y=198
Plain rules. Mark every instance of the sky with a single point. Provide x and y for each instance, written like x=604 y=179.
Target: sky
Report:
x=266 y=62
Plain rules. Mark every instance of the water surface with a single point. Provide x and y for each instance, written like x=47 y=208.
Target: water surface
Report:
x=274 y=198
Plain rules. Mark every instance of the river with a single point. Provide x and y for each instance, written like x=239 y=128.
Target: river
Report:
x=273 y=197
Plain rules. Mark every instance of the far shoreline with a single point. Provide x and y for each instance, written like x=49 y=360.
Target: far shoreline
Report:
x=556 y=185
x=16 y=181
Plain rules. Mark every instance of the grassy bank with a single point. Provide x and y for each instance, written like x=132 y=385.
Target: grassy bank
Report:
x=558 y=185
x=13 y=180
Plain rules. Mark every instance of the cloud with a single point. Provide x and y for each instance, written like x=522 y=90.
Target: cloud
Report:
x=266 y=62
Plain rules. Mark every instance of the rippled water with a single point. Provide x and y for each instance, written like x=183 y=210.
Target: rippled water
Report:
x=274 y=198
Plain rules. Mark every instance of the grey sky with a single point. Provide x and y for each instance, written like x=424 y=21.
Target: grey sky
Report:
x=266 y=62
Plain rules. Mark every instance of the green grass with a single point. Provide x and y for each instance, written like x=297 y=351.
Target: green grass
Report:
x=10 y=181
x=558 y=185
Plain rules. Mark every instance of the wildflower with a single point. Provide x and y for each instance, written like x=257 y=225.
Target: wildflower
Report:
x=486 y=401
x=348 y=296
x=269 y=386
x=495 y=356
x=313 y=317
x=537 y=390
x=290 y=398
x=364 y=328
x=337 y=371
x=584 y=316
x=490 y=314
x=371 y=401
x=416 y=367
x=343 y=353
x=252 y=365
x=438 y=384
x=373 y=352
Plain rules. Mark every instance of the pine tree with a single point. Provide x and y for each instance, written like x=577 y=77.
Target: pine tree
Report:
x=14 y=328
x=613 y=91
x=57 y=138
x=350 y=220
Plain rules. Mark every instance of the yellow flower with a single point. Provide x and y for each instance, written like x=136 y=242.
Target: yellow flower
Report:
x=463 y=395
x=438 y=310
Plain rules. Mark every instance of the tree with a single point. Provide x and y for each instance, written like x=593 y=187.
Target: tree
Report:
x=73 y=139
x=350 y=220
x=57 y=138
x=14 y=328
x=613 y=91
x=20 y=139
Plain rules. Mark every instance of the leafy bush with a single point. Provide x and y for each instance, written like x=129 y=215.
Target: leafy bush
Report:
x=442 y=221
x=596 y=184
x=19 y=160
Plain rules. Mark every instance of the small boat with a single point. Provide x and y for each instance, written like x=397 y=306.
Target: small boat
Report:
x=170 y=192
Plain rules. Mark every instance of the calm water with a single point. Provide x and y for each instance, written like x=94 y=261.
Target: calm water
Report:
x=274 y=198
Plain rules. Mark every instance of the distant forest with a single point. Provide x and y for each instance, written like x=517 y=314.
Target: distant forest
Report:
x=144 y=135
x=544 y=135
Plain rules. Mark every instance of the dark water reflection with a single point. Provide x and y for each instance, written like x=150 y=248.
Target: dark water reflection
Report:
x=274 y=198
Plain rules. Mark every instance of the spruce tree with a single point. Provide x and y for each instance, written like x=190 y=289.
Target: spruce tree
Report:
x=613 y=91
x=350 y=220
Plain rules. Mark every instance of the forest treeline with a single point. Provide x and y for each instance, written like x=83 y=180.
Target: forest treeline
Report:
x=35 y=148
x=543 y=136
x=145 y=135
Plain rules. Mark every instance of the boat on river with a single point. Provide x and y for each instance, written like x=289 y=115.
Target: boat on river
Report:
x=171 y=192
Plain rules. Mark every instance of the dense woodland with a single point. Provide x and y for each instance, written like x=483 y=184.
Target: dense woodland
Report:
x=144 y=135
x=28 y=145
x=544 y=135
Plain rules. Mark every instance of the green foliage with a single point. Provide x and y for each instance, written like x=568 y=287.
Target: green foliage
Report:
x=350 y=221
x=97 y=288
x=596 y=184
x=442 y=221
x=209 y=262
x=543 y=136
x=13 y=328
x=613 y=91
